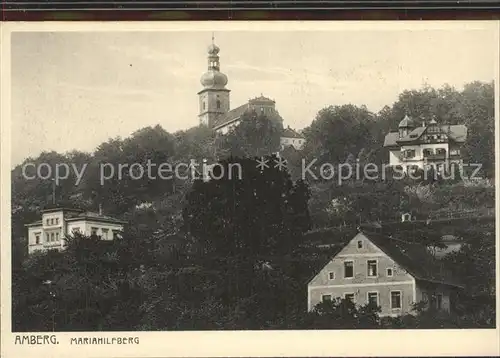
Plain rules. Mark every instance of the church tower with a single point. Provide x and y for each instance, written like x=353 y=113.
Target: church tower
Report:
x=214 y=97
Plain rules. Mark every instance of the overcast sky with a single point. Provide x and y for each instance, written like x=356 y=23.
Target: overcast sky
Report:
x=74 y=90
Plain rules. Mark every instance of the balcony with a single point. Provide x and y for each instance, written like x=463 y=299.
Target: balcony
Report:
x=52 y=244
x=435 y=156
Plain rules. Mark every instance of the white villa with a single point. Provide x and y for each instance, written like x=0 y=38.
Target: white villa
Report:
x=424 y=146
x=57 y=223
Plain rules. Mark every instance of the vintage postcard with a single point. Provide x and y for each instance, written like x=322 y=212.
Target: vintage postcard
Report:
x=249 y=189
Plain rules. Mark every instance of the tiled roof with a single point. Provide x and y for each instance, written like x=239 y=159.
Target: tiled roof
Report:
x=230 y=116
x=261 y=99
x=414 y=258
x=391 y=139
x=36 y=223
x=413 y=135
x=290 y=133
x=89 y=215
x=406 y=122
x=457 y=132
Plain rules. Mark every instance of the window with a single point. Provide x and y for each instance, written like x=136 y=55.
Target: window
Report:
x=75 y=230
x=115 y=234
x=389 y=272
x=372 y=268
x=47 y=237
x=57 y=221
x=395 y=299
x=427 y=152
x=52 y=237
x=410 y=153
x=439 y=301
x=37 y=239
x=47 y=222
x=57 y=236
x=348 y=269
x=425 y=297
x=218 y=104
x=93 y=231
x=105 y=233
x=360 y=244
x=326 y=298
x=331 y=275
x=349 y=296
x=441 y=151
x=373 y=298
x=204 y=105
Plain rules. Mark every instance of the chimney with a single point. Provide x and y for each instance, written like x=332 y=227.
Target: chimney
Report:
x=100 y=209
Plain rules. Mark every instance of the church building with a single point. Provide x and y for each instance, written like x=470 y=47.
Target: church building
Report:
x=214 y=104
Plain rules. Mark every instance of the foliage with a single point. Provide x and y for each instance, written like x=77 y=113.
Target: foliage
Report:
x=248 y=210
x=231 y=254
x=254 y=136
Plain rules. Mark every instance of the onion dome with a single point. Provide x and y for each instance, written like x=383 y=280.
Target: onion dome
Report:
x=213 y=79
x=213 y=49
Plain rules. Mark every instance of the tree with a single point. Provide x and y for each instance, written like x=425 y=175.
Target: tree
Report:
x=337 y=132
x=256 y=135
x=259 y=212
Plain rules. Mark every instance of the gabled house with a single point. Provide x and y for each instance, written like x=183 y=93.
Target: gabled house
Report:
x=57 y=223
x=292 y=138
x=426 y=145
x=389 y=272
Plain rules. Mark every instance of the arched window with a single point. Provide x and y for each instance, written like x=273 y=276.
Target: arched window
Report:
x=218 y=104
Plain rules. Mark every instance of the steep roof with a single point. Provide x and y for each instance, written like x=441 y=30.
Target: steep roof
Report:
x=414 y=258
x=390 y=139
x=413 y=135
x=406 y=122
x=290 y=133
x=457 y=132
x=230 y=116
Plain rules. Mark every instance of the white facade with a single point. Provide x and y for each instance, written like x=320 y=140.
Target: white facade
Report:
x=56 y=224
x=365 y=271
x=436 y=146
x=297 y=143
x=227 y=128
